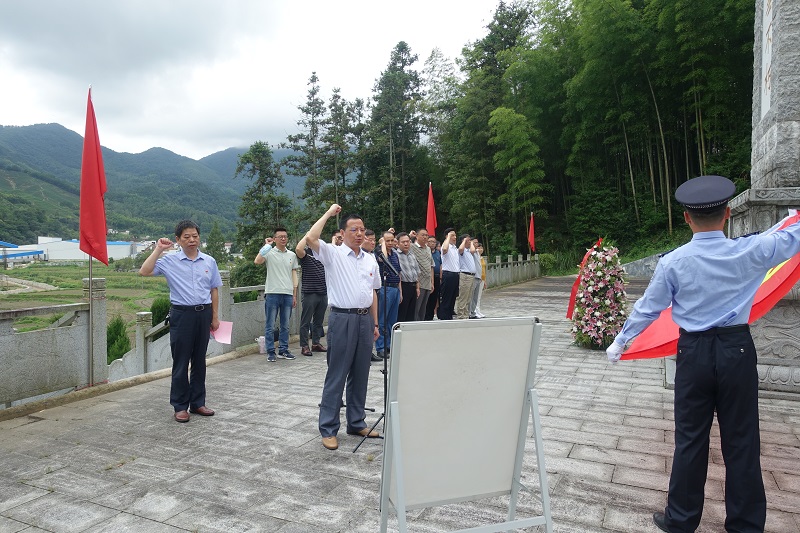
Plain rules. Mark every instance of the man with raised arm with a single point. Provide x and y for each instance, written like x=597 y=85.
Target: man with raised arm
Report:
x=280 y=290
x=450 y=275
x=193 y=279
x=352 y=277
x=315 y=300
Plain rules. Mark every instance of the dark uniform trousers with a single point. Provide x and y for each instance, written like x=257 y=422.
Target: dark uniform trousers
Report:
x=716 y=370
x=189 y=332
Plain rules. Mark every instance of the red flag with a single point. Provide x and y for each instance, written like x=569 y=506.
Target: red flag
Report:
x=430 y=223
x=93 y=188
x=531 y=238
x=571 y=306
x=660 y=338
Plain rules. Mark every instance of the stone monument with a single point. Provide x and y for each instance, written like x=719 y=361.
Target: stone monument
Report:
x=775 y=177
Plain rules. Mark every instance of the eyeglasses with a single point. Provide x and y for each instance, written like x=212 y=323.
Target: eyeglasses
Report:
x=281 y=236
x=356 y=230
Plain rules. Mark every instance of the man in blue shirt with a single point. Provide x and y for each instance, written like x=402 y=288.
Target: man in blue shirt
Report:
x=710 y=283
x=389 y=295
x=193 y=279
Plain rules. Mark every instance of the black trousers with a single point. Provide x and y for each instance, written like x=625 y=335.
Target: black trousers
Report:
x=448 y=291
x=189 y=331
x=312 y=317
x=716 y=370
x=433 y=299
x=406 y=312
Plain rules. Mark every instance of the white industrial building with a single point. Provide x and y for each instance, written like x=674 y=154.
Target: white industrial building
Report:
x=56 y=249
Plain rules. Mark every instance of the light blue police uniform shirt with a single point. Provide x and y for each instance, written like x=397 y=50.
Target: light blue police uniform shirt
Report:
x=190 y=282
x=711 y=280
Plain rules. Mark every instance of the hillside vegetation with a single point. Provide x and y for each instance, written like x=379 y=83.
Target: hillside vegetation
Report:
x=147 y=192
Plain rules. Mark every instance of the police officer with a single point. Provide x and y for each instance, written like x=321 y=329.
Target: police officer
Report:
x=710 y=283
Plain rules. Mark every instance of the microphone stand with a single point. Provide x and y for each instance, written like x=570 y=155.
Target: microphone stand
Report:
x=382 y=260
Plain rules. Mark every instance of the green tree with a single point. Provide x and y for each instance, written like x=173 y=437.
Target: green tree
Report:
x=394 y=132
x=337 y=158
x=262 y=206
x=476 y=192
x=517 y=159
x=305 y=161
x=215 y=244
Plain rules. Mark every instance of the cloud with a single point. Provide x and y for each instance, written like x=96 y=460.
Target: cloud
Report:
x=199 y=76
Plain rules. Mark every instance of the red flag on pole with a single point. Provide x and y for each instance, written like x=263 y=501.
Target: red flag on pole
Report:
x=93 y=188
x=571 y=306
x=430 y=223
x=531 y=238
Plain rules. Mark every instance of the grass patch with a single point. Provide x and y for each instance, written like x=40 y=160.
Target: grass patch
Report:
x=127 y=293
x=33 y=323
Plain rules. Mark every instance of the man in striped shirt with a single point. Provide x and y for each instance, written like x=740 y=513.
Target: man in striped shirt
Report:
x=315 y=299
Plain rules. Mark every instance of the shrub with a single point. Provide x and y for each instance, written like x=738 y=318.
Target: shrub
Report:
x=160 y=309
x=117 y=341
x=546 y=263
x=601 y=299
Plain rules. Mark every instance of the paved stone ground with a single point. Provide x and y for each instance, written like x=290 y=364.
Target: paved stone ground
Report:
x=118 y=462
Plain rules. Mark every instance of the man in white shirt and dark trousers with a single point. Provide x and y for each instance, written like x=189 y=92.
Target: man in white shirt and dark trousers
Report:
x=448 y=290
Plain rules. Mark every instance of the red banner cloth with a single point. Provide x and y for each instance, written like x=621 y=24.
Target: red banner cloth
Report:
x=93 y=228
x=660 y=338
x=430 y=222
x=571 y=306
x=531 y=238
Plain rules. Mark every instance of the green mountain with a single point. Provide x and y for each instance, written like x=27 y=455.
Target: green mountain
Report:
x=147 y=192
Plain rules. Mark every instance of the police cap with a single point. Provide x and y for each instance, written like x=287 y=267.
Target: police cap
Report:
x=705 y=193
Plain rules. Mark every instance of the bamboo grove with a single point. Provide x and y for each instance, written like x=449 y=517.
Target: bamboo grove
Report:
x=588 y=113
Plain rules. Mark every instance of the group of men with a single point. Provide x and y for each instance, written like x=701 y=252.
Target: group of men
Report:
x=411 y=271
x=369 y=284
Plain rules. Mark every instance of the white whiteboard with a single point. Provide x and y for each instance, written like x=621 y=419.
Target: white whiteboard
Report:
x=460 y=388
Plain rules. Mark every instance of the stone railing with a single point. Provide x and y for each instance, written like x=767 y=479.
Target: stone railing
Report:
x=499 y=273
x=55 y=360
x=69 y=355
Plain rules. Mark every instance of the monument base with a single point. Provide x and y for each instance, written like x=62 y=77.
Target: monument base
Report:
x=776 y=336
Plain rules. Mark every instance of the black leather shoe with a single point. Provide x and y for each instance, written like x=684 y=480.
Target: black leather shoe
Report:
x=660 y=521
x=376 y=358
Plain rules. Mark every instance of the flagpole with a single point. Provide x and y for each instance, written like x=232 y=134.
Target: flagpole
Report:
x=93 y=228
x=91 y=326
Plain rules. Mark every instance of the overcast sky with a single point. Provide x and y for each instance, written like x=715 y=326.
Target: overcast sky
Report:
x=199 y=76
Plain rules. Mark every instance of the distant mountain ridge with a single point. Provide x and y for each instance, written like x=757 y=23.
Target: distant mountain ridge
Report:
x=147 y=192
